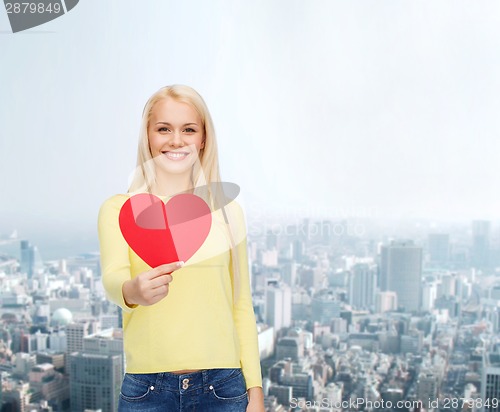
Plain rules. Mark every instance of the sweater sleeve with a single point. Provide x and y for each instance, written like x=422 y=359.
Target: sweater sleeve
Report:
x=115 y=262
x=243 y=313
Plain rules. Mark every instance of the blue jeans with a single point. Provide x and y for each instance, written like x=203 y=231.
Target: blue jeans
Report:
x=221 y=390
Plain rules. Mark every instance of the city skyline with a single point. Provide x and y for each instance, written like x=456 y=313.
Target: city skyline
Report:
x=335 y=323
x=57 y=245
x=387 y=110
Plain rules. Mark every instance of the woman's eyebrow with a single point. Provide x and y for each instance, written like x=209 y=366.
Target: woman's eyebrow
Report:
x=185 y=124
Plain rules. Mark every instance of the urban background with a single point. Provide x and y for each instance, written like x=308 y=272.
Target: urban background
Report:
x=364 y=137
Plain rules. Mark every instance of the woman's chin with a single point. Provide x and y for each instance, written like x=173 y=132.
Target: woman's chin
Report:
x=173 y=168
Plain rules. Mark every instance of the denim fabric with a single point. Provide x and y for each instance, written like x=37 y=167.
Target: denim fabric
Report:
x=221 y=390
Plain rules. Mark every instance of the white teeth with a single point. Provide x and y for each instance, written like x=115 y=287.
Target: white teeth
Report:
x=176 y=155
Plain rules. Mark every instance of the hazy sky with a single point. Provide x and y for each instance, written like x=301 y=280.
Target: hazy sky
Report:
x=380 y=108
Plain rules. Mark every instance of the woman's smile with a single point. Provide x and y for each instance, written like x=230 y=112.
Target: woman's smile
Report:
x=175 y=156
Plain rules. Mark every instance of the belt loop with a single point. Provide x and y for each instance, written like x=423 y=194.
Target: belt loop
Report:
x=204 y=374
x=159 y=380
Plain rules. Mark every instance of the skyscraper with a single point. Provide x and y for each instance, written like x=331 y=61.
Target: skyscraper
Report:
x=439 y=248
x=362 y=283
x=74 y=339
x=427 y=387
x=106 y=342
x=94 y=381
x=278 y=305
x=490 y=381
x=74 y=335
x=289 y=273
x=401 y=272
x=298 y=250
x=96 y=373
x=480 y=243
x=27 y=258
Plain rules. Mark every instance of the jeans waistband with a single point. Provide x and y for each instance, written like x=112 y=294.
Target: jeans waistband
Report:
x=186 y=382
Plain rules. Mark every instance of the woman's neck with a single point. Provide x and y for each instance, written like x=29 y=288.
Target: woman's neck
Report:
x=171 y=185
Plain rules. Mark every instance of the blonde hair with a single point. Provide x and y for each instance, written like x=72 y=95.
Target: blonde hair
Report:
x=205 y=175
x=145 y=175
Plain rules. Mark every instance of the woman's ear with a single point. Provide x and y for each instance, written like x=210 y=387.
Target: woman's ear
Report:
x=202 y=143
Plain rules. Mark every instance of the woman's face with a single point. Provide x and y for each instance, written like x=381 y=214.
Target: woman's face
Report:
x=176 y=135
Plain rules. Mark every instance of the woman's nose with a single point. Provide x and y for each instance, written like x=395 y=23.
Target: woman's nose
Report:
x=176 y=139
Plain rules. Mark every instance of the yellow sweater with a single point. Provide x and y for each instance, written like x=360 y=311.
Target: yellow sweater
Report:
x=196 y=326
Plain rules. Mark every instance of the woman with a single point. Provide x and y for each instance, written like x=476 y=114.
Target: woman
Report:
x=190 y=335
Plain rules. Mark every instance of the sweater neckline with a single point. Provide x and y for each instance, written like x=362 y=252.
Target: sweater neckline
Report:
x=147 y=193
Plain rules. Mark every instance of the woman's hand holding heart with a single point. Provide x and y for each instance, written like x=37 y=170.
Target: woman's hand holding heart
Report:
x=149 y=287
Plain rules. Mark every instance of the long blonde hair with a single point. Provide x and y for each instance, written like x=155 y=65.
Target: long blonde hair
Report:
x=205 y=174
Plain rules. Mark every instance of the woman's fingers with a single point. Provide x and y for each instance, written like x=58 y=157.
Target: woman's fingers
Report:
x=164 y=269
x=159 y=293
x=160 y=281
x=151 y=286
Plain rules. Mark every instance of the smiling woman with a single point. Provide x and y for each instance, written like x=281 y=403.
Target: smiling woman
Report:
x=175 y=120
x=175 y=140
x=189 y=343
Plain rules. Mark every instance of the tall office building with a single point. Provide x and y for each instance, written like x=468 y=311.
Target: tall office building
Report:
x=96 y=372
x=429 y=294
x=301 y=383
x=283 y=394
x=95 y=381
x=325 y=307
x=75 y=333
x=439 y=248
x=448 y=285
x=401 y=272
x=490 y=381
x=480 y=243
x=427 y=387
x=290 y=347
x=106 y=342
x=27 y=258
x=289 y=273
x=298 y=250
x=362 y=282
x=278 y=305
x=311 y=278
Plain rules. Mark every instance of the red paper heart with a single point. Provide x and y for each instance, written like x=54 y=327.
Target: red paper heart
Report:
x=164 y=233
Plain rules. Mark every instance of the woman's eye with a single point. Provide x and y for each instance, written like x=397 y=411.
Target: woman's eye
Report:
x=163 y=129
x=189 y=130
